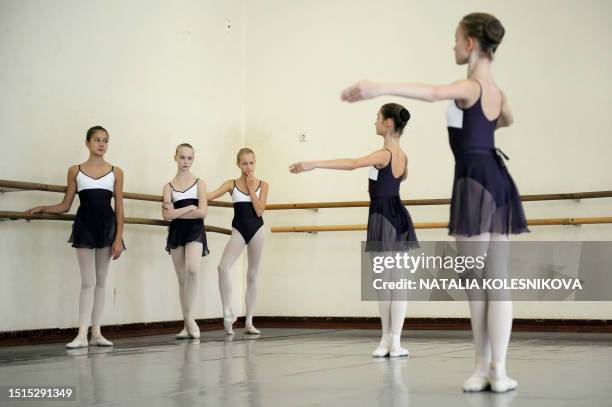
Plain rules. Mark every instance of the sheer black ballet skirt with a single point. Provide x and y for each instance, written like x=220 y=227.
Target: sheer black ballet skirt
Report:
x=95 y=224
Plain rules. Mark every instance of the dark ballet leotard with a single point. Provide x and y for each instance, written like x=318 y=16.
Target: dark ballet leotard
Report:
x=485 y=198
x=245 y=221
x=95 y=224
x=183 y=231
x=390 y=226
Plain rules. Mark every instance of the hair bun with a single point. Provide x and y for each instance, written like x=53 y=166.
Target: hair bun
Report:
x=493 y=31
x=397 y=113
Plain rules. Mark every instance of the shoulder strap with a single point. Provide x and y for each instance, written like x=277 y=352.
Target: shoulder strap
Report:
x=171 y=192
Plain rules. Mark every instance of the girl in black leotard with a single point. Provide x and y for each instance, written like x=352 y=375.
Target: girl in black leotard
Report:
x=97 y=232
x=390 y=227
x=185 y=204
x=249 y=196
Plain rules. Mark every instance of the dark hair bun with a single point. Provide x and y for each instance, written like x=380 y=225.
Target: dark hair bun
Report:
x=486 y=29
x=493 y=31
x=398 y=113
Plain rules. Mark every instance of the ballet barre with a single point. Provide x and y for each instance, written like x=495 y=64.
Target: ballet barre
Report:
x=7 y=186
x=437 y=201
x=440 y=225
x=133 y=221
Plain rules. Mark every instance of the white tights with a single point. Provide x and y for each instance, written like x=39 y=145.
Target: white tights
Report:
x=392 y=307
x=491 y=320
x=93 y=264
x=232 y=252
x=186 y=260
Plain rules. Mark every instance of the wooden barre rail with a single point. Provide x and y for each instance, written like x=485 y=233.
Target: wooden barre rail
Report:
x=441 y=225
x=133 y=221
x=437 y=201
x=311 y=205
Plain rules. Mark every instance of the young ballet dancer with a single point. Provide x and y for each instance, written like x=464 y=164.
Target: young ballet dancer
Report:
x=185 y=204
x=249 y=196
x=390 y=226
x=97 y=230
x=485 y=205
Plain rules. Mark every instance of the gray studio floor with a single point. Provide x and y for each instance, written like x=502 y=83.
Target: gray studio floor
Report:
x=297 y=367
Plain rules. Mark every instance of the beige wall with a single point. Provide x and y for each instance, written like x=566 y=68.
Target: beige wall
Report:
x=554 y=66
x=154 y=74
x=159 y=73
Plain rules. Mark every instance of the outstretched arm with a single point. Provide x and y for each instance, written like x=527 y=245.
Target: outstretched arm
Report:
x=460 y=90
x=66 y=203
x=223 y=189
x=379 y=157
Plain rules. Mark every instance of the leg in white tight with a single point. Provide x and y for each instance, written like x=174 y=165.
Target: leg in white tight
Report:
x=384 y=308
x=178 y=260
x=392 y=308
x=383 y=348
x=87 y=269
x=398 y=315
x=254 y=252
x=232 y=252
x=399 y=305
x=499 y=319
x=93 y=266
x=491 y=320
x=193 y=256
x=186 y=260
x=475 y=246
x=102 y=261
